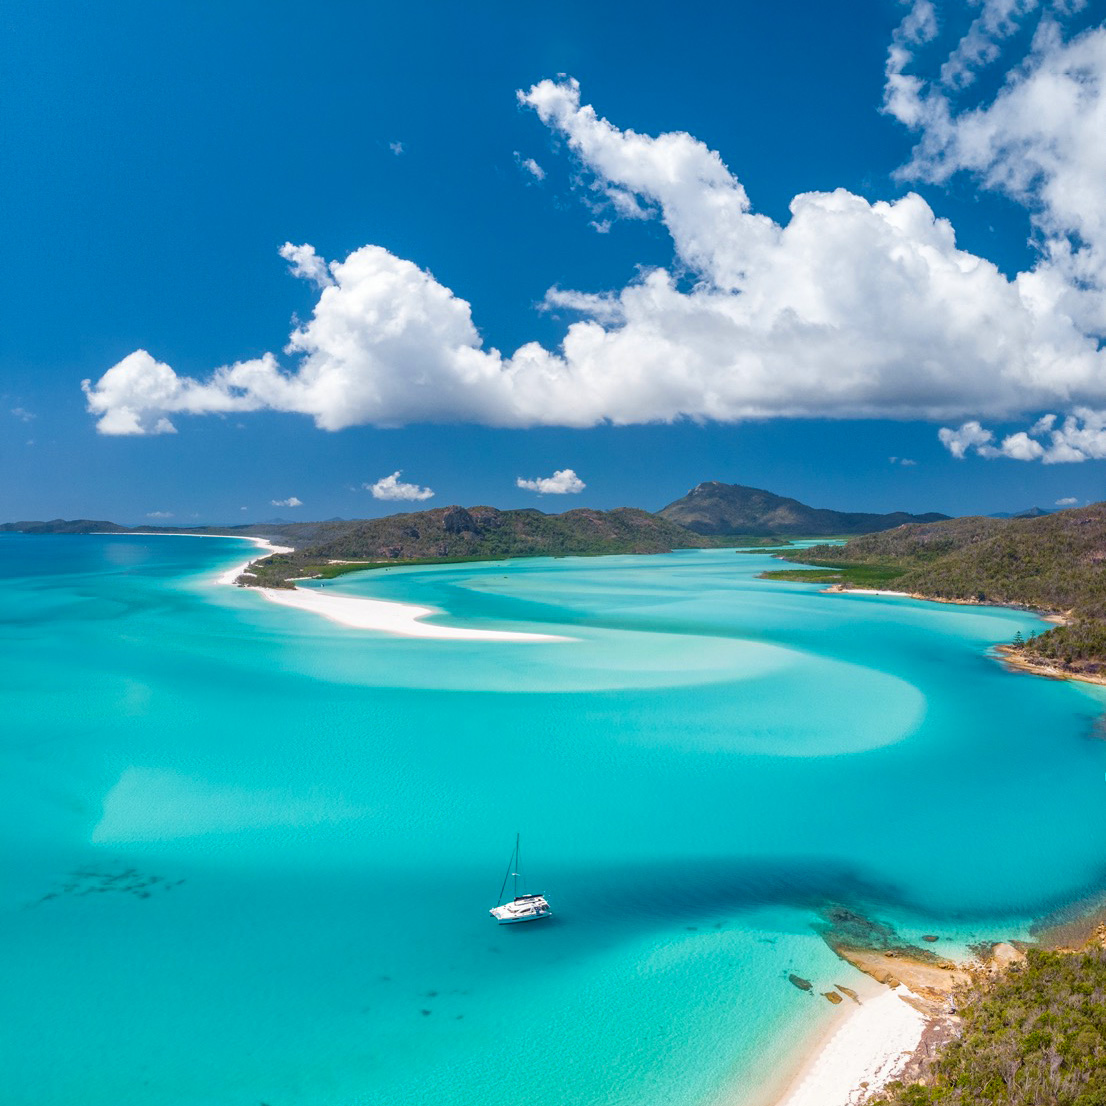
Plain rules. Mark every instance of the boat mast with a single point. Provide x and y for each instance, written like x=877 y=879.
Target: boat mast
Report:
x=512 y=870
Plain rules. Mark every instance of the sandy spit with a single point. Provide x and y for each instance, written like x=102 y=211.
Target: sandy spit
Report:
x=404 y=619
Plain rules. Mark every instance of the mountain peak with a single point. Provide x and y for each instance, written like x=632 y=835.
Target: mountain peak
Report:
x=716 y=508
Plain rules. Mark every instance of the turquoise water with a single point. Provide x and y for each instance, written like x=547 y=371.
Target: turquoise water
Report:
x=248 y=853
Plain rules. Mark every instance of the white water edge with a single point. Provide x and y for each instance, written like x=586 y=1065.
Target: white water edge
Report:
x=402 y=619
x=864 y=1054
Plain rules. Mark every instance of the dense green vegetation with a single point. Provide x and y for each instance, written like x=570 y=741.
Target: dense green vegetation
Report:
x=452 y=534
x=1053 y=563
x=857 y=575
x=1033 y=1035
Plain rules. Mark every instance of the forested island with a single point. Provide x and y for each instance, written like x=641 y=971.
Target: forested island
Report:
x=709 y=515
x=1054 y=564
x=450 y=534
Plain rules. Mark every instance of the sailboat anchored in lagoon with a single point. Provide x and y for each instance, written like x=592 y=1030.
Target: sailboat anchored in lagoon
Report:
x=521 y=908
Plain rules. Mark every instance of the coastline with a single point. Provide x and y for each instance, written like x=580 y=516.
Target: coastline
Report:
x=357 y=613
x=230 y=576
x=1018 y=663
x=864 y=1048
x=1006 y=654
x=896 y=1022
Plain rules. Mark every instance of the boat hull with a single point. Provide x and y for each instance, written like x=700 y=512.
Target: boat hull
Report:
x=524 y=918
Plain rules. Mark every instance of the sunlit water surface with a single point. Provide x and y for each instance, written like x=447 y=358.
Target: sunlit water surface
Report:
x=249 y=853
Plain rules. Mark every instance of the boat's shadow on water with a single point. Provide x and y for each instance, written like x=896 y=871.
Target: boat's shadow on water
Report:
x=605 y=903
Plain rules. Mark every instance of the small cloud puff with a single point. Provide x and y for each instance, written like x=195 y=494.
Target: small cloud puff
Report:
x=1067 y=501
x=902 y=461
x=23 y=414
x=291 y=501
x=396 y=148
x=306 y=263
x=529 y=165
x=391 y=487
x=159 y=514
x=562 y=482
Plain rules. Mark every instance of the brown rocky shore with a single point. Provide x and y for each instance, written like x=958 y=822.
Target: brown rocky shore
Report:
x=933 y=984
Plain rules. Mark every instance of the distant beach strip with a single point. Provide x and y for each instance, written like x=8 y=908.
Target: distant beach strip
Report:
x=402 y=619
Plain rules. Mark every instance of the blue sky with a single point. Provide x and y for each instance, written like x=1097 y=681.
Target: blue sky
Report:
x=156 y=158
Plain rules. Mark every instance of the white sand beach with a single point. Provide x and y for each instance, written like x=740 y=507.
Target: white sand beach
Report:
x=232 y=574
x=863 y=1052
x=404 y=619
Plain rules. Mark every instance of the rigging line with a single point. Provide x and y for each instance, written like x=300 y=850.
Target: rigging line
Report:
x=510 y=865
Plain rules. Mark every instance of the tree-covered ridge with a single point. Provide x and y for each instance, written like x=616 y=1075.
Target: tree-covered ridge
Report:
x=1032 y=1035
x=475 y=533
x=1051 y=563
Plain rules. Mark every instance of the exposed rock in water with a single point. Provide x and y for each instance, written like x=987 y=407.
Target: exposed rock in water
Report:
x=802 y=984
x=845 y=931
x=931 y=937
x=850 y=992
x=833 y=996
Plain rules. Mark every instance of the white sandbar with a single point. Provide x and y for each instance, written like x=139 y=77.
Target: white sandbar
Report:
x=404 y=619
x=870 y=1047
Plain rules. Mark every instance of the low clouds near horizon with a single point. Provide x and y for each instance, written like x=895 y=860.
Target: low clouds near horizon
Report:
x=852 y=309
x=391 y=487
x=562 y=482
x=291 y=501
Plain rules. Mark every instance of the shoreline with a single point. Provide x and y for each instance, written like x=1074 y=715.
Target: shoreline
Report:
x=1005 y=654
x=357 y=613
x=861 y=1050
x=896 y=1022
x=230 y=576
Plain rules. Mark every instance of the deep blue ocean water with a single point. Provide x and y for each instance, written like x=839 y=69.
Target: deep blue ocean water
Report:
x=249 y=853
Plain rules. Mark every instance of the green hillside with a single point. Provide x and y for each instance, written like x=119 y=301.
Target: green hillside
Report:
x=476 y=533
x=1054 y=563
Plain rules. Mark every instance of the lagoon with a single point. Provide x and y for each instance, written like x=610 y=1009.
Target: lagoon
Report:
x=250 y=852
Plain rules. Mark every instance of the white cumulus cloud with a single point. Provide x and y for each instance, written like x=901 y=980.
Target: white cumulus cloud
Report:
x=1067 y=501
x=562 y=482
x=391 y=487
x=849 y=309
x=1038 y=140
x=291 y=501
x=1080 y=436
x=159 y=514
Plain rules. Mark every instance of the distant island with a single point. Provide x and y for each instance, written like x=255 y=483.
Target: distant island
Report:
x=710 y=515
x=1051 y=563
x=716 y=509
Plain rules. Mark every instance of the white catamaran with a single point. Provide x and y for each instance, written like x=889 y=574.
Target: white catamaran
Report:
x=522 y=908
